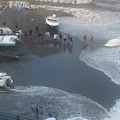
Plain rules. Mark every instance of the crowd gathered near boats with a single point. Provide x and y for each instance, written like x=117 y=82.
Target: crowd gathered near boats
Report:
x=43 y=37
x=47 y=37
x=52 y=21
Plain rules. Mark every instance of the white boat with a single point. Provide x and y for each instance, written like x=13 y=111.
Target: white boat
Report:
x=52 y=20
x=6 y=81
x=6 y=30
x=8 y=40
x=113 y=43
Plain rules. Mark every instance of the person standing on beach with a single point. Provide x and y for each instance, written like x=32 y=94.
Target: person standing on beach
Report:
x=55 y=37
x=16 y=25
x=20 y=32
x=92 y=40
x=71 y=41
x=4 y=23
x=36 y=28
x=85 y=39
x=3 y=7
x=30 y=33
x=17 y=34
x=41 y=38
x=68 y=37
x=48 y=36
x=60 y=36
x=25 y=33
x=65 y=38
x=75 y=1
x=39 y=35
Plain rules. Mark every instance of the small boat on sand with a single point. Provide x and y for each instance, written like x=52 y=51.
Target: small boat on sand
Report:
x=113 y=43
x=5 y=30
x=5 y=81
x=8 y=40
x=52 y=20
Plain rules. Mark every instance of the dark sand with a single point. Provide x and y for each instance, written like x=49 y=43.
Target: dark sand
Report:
x=59 y=67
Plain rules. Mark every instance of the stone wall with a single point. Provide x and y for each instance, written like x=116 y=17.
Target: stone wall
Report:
x=81 y=14
x=56 y=1
x=67 y=1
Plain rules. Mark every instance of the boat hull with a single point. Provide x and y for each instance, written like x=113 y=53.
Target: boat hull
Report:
x=52 y=24
x=113 y=43
x=8 y=40
x=5 y=81
x=52 y=20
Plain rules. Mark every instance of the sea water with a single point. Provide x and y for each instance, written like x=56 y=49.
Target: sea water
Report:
x=97 y=56
x=73 y=106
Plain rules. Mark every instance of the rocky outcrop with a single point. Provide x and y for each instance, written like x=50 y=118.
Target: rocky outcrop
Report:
x=67 y=1
x=81 y=14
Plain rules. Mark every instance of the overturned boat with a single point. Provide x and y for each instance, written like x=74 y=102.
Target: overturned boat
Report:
x=8 y=40
x=5 y=81
x=52 y=20
x=113 y=43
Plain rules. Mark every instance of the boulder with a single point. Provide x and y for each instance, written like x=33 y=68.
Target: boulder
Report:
x=48 y=7
x=49 y=0
x=82 y=14
x=61 y=1
x=66 y=10
x=45 y=0
x=67 y=1
x=79 y=1
x=55 y=1
x=84 y=1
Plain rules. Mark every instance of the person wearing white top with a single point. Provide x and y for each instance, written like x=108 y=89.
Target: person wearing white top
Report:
x=55 y=36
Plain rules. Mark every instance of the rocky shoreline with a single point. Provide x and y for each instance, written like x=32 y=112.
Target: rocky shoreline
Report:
x=81 y=14
x=84 y=15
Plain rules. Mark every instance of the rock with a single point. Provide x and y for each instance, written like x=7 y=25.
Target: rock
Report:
x=55 y=1
x=66 y=10
x=61 y=1
x=82 y=14
x=67 y=1
x=49 y=0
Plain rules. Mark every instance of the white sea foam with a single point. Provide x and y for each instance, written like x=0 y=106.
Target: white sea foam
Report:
x=104 y=59
x=114 y=113
x=77 y=118
x=101 y=58
x=63 y=105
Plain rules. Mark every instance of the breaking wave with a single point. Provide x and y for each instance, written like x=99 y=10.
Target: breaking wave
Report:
x=63 y=105
x=114 y=113
x=104 y=59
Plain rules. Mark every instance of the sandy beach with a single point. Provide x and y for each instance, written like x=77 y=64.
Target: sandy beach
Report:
x=50 y=64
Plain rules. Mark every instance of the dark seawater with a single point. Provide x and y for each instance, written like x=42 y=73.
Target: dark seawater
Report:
x=63 y=71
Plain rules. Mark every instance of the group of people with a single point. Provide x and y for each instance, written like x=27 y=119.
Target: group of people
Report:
x=85 y=39
x=3 y=7
x=85 y=42
x=65 y=37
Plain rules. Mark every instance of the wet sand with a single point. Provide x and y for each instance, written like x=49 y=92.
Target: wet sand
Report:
x=57 y=66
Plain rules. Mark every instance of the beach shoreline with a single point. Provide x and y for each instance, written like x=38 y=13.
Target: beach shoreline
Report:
x=69 y=77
